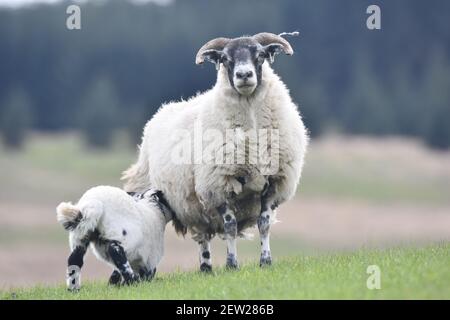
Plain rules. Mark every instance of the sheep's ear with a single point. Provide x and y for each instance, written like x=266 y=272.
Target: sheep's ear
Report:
x=213 y=56
x=213 y=45
x=271 y=50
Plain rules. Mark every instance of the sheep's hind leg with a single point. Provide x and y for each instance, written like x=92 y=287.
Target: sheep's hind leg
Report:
x=119 y=258
x=230 y=230
x=205 y=255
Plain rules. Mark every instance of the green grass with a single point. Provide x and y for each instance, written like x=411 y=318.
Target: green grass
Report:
x=406 y=273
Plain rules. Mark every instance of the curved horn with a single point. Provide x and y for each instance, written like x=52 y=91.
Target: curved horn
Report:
x=216 y=44
x=265 y=38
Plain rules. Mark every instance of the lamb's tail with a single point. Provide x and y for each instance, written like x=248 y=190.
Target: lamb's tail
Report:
x=84 y=219
x=68 y=215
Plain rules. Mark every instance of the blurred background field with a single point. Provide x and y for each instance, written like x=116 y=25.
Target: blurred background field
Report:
x=377 y=104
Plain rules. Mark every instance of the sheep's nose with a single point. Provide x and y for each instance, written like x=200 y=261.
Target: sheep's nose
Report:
x=244 y=74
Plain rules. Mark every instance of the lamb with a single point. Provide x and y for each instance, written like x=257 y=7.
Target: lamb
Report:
x=220 y=188
x=124 y=231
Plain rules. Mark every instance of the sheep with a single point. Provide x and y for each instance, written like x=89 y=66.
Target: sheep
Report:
x=124 y=231
x=214 y=196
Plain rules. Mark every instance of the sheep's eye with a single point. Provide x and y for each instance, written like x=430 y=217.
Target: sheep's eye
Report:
x=261 y=57
x=261 y=54
x=226 y=61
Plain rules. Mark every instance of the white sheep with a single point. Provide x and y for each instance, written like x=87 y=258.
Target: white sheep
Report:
x=213 y=196
x=124 y=231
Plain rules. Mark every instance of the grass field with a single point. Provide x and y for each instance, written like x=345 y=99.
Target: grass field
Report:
x=406 y=273
x=355 y=192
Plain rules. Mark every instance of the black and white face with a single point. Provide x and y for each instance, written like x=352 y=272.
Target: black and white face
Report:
x=243 y=59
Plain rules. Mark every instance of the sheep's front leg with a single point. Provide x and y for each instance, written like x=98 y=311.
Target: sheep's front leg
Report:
x=230 y=230
x=119 y=258
x=205 y=255
x=265 y=219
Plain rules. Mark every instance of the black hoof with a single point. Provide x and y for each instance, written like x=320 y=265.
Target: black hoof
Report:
x=115 y=278
x=232 y=266
x=147 y=274
x=265 y=261
x=130 y=280
x=232 y=263
x=204 y=267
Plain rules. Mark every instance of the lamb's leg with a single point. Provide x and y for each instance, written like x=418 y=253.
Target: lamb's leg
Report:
x=74 y=265
x=205 y=255
x=264 y=221
x=115 y=278
x=230 y=230
x=119 y=258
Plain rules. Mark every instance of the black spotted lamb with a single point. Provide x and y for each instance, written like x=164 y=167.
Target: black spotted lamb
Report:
x=124 y=231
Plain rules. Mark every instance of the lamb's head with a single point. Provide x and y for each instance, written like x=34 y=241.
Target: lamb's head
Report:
x=156 y=198
x=243 y=57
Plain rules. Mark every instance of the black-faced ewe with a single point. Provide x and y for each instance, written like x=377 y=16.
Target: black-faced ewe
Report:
x=226 y=158
x=124 y=231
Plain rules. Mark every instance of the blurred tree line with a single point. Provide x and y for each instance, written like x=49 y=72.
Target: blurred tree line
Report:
x=127 y=59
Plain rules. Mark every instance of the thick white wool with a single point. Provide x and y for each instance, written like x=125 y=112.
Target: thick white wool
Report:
x=195 y=190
